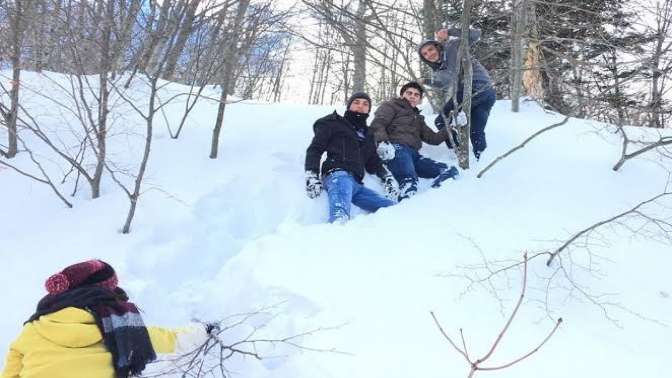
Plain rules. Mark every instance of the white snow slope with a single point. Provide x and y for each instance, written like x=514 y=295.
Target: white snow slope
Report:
x=213 y=238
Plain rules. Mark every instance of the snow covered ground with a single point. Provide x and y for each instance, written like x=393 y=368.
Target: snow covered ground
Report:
x=214 y=238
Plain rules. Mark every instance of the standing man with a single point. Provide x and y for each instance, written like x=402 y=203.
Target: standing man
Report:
x=350 y=151
x=399 y=130
x=441 y=56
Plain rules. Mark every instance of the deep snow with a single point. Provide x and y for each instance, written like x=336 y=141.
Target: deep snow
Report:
x=218 y=237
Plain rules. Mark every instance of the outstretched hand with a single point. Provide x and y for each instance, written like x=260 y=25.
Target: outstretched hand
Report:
x=441 y=35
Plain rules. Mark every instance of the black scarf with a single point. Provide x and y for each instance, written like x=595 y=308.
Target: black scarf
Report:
x=358 y=122
x=119 y=321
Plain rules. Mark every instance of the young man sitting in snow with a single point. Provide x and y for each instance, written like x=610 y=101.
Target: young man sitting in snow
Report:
x=399 y=130
x=350 y=151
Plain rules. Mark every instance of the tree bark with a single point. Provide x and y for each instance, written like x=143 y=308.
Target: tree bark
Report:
x=230 y=57
x=465 y=54
x=517 y=43
x=359 y=49
x=185 y=30
x=17 y=26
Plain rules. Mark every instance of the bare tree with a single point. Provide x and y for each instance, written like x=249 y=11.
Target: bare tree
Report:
x=15 y=11
x=520 y=146
x=464 y=61
x=650 y=219
x=518 y=21
x=351 y=27
x=230 y=57
x=186 y=26
x=214 y=356
x=476 y=364
x=660 y=63
x=43 y=177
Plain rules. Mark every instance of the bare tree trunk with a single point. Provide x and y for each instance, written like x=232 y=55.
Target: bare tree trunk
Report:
x=517 y=51
x=103 y=98
x=155 y=34
x=532 y=81
x=133 y=197
x=277 y=83
x=663 y=25
x=38 y=34
x=185 y=30
x=359 y=50
x=125 y=34
x=230 y=57
x=17 y=27
x=163 y=41
x=465 y=54
x=429 y=27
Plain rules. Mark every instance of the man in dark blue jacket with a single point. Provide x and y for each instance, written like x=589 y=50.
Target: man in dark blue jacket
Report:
x=350 y=152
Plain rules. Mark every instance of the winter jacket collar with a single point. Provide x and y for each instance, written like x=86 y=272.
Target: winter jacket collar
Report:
x=405 y=104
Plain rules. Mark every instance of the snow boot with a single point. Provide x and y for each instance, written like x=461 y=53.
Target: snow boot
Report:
x=445 y=175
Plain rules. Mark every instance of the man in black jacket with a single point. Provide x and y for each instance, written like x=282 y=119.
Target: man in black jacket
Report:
x=350 y=152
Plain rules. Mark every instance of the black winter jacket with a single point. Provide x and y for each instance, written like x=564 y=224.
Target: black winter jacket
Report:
x=335 y=135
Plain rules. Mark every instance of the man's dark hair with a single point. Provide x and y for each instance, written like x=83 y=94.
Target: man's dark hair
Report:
x=412 y=84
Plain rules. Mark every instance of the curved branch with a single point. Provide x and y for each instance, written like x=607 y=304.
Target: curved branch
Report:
x=551 y=127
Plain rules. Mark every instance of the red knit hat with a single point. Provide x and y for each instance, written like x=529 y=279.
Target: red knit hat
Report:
x=92 y=272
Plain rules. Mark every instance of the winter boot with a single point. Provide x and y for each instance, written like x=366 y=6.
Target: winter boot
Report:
x=407 y=190
x=447 y=173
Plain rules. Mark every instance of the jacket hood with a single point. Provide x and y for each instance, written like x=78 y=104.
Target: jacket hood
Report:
x=434 y=65
x=70 y=327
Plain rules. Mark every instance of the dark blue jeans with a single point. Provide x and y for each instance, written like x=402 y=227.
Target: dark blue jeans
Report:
x=408 y=165
x=343 y=189
x=481 y=104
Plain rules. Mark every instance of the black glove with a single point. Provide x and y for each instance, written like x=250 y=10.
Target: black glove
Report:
x=211 y=328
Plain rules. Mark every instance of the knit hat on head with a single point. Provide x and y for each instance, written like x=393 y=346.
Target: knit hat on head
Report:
x=92 y=272
x=412 y=84
x=356 y=95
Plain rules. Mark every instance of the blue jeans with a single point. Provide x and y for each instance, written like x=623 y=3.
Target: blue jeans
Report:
x=481 y=104
x=408 y=165
x=343 y=189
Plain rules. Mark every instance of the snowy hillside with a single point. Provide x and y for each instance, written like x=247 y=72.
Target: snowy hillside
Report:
x=214 y=238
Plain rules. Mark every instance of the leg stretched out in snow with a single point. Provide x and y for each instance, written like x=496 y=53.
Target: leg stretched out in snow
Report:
x=400 y=130
x=350 y=153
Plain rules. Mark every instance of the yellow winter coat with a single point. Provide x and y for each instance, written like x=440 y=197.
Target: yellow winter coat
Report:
x=68 y=344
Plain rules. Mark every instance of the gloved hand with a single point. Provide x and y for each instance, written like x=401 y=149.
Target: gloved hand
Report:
x=461 y=119
x=390 y=187
x=313 y=185
x=211 y=328
x=386 y=151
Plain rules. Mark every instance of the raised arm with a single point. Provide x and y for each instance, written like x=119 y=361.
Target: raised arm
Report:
x=443 y=34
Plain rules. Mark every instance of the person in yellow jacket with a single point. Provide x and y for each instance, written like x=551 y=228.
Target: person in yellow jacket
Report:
x=85 y=327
